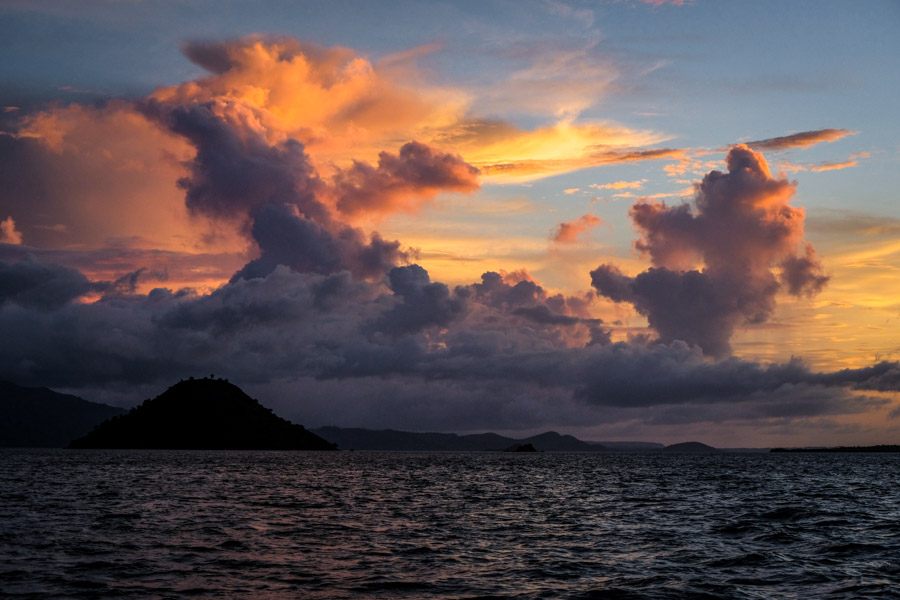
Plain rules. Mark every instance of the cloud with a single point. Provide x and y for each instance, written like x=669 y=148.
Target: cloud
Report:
x=402 y=181
x=495 y=354
x=528 y=168
x=272 y=190
x=287 y=237
x=568 y=232
x=802 y=139
x=619 y=185
x=822 y=167
x=802 y=274
x=424 y=303
x=43 y=286
x=343 y=108
x=8 y=232
x=560 y=82
x=95 y=176
x=713 y=260
x=336 y=102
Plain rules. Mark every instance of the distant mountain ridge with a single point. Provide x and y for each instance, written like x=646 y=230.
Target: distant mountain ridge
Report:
x=38 y=417
x=202 y=414
x=213 y=413
x=393 y=440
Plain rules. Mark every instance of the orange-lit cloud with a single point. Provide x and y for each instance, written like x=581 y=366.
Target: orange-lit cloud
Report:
x=103 y=176
x=840 y=165
x=619 y=185
x=568 y=232
x=345 y=108
x=822 y=167
x=528 y=169
x=8 y=232
x=803 y=139
x=339 y=104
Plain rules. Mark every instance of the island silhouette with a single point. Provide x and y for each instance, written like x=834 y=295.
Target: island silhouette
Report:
x=208 y=414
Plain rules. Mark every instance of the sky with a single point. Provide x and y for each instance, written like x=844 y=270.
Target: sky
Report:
x=624 y=219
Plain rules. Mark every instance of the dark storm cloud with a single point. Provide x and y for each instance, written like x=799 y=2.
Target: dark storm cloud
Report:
x=236 y=170
x=424 y=303
x=39 y=285
x=739 y=228
x=288 y=238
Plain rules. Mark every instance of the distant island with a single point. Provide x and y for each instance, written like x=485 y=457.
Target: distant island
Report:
x=38 y=417
x=878 y=448
x=521 y=448
x=689 y=448
x=204 y=414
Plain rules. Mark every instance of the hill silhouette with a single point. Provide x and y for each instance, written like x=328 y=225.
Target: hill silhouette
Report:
x=38 y=417
x=202 y=414
x=689 y=448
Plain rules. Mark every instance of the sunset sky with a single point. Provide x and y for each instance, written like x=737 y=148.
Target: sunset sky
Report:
x=644 y=220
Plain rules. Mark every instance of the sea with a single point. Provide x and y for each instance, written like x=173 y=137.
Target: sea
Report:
x=171 y=524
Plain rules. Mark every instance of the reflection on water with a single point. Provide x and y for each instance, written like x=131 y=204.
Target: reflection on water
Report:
x=348 y=525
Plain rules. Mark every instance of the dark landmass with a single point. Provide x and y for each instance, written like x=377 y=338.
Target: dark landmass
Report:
x=879 y=448
x=521 y=448
x=38 y=417
x=689 y=448
x=630 y=446
x=209 y=414
x=389 y=439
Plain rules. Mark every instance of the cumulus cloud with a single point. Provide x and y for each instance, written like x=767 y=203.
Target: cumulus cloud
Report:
x=802 y=139
x=568 y=231
x=8 y=232
x=713 y=260
x=272 y=190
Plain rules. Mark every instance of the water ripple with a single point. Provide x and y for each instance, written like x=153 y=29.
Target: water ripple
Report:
x=89 y=524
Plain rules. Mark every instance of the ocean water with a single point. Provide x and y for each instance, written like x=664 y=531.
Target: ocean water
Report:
x=396 y=525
